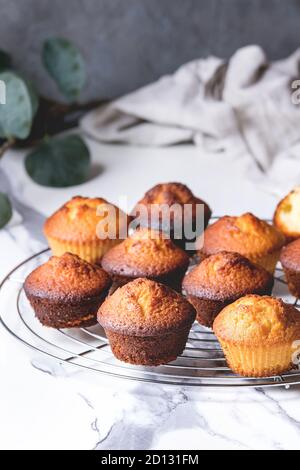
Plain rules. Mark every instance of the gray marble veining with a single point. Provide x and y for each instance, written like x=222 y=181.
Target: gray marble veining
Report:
x=48 y=405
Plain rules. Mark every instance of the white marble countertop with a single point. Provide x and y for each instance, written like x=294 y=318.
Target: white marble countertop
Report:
x=47 y=406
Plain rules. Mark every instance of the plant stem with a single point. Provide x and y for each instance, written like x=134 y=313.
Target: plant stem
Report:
x=6 y=145
x=53 y=118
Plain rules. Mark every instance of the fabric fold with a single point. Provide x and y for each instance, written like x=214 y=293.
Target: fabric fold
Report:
x=243 y=103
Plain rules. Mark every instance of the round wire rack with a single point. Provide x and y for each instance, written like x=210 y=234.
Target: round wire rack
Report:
x=202 y=363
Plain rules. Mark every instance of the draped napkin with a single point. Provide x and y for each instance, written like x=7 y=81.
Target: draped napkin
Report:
x=243 y=104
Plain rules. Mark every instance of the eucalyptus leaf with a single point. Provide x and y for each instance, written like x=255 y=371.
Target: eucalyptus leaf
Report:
x=33 y=96
x=65 y=65
x=17 y=114
x=5 y=61
x=59 y=162
x=5 y=210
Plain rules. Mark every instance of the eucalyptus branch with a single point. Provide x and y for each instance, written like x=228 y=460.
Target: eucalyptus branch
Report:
x=28 y=118
x=6 y=146
x=53 y=118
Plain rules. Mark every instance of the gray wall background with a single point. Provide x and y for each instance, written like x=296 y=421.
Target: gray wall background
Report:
x=128 y=43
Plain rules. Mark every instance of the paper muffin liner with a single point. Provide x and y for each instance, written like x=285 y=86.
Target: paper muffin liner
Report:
x=268 y=261
x=91 y=252
x=293 y=281
x=258 y=361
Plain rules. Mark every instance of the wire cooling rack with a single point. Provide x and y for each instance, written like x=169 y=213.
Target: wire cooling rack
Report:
x=202 y=363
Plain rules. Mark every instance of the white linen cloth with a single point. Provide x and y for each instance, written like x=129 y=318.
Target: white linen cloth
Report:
x=244 y=104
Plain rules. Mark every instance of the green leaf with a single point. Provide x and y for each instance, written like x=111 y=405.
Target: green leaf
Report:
x=59 y=162
x=5 y=61
x=66 y=66
x=33 y=96
x=17 y=114
x=5 y=210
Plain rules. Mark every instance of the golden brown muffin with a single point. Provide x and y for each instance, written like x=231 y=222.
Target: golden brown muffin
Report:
x=79 y=227
x=251 y=237
x=287 y=215
x=147 y=323
x=220 y=280
x=290 y=260
x=174 y=195
x=148 y=254
x=257 y=335
x=67 y=291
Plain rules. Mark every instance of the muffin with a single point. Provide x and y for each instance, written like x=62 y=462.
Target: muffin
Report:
x=146 y=323
x=287 y=215
x=220 y=280
x=80 y=227
x=67 y=291
x=257 y=335
x=146 y=253
x=179 y=197
x=251 y=237
x=290 y=260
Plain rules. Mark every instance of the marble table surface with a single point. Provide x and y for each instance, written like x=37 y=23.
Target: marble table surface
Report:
x=44 y=405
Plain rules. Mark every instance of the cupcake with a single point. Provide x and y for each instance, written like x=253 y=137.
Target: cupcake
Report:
x=146 y=323
x=290 y=260
x=260 y=242
x=148 y=254
x=81 y=227
x=257 y=335
x=183 y=223
x=287 y=215
x=220 y=280
x=67 y=291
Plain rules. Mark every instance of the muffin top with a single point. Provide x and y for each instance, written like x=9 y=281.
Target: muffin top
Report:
x=257 y=321
x=290 y=256
x=226 y=276
x=67 y=278
x=173 y=193
x=146 y=308
x=245 y=235
x=81 y=218
x=145 y=253
x=287 y=215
